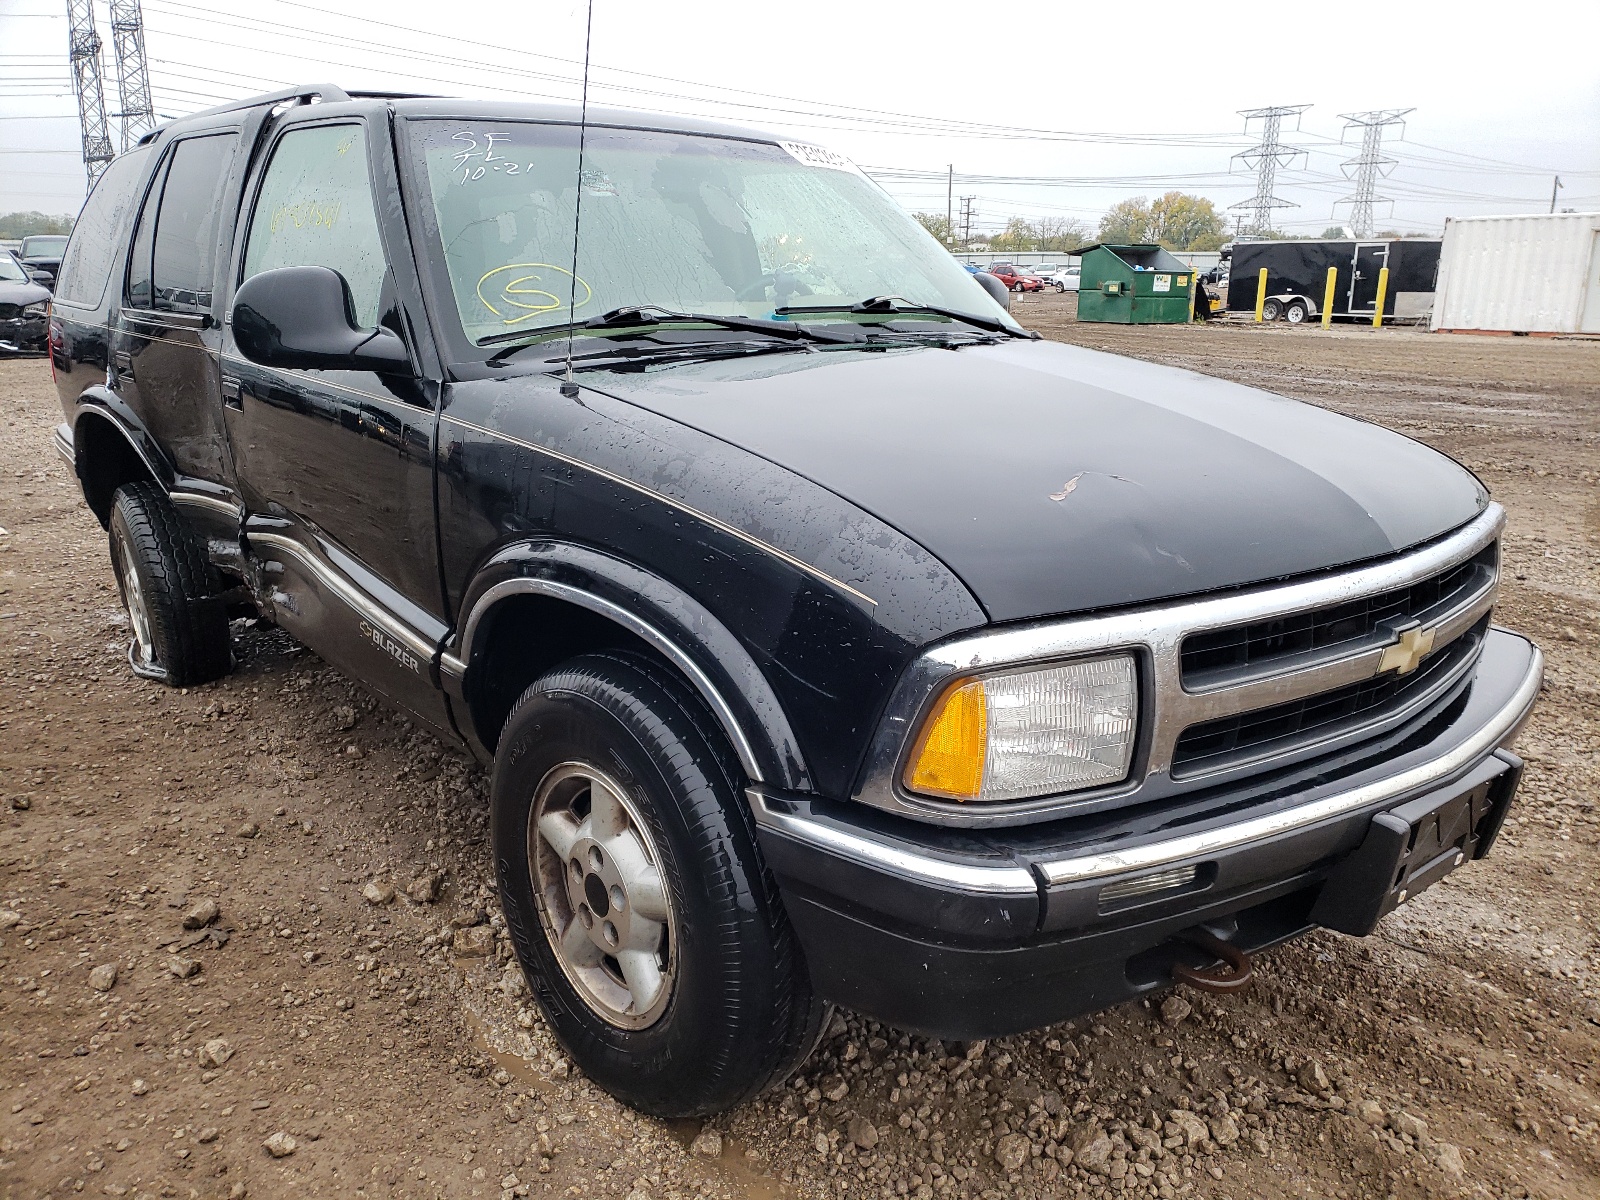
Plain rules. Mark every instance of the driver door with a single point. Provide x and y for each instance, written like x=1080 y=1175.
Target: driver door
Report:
x=335 y=467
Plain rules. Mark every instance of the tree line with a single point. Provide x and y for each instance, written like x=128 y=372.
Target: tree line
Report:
x=15 y=225
x=1176 y=220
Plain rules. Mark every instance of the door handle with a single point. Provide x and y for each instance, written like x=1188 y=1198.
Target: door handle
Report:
x=232 y=395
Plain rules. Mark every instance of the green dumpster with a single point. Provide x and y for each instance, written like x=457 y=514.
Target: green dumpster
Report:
x=1133 y=285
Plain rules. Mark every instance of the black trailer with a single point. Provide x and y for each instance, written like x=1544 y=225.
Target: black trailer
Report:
x=1297 y=278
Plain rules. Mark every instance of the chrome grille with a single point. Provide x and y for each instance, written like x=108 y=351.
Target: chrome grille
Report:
x=1219 y=656
x=1249 y=736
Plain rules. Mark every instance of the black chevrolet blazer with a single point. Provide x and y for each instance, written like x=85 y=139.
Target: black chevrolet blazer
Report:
x=832 y=638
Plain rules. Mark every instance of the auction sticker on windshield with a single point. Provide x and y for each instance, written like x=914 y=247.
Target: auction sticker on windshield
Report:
x=819 y=156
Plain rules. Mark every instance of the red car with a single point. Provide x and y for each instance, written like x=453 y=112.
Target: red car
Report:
x=1017 y=279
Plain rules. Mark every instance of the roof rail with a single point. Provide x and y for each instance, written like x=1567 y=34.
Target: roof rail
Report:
x=395 y=96
x=303 y=94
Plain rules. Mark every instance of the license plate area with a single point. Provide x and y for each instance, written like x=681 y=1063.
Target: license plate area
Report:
x=1413 y=846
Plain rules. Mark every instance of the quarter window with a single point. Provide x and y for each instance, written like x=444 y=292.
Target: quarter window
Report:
x=87 y=263
x=315 y=209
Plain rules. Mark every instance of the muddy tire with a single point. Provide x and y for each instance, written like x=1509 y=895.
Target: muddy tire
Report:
x=179 y=624
x=641 y=911
x=1272 y=310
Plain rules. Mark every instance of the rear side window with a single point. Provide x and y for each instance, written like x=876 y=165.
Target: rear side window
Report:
x=185 y=251
x=315 y=209
x=92 y=251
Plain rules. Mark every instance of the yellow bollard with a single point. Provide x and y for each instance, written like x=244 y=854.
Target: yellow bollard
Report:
x=1383 y=292
x=1327 y=297
x=1261 y=294
x=1194 y=293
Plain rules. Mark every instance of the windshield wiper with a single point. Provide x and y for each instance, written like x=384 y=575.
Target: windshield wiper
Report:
x=887 y=306
x=644 y=316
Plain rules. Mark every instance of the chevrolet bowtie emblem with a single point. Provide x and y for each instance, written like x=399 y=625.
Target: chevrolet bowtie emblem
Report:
x=1406 y=655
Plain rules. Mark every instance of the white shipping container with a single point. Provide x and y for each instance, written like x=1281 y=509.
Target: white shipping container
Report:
x=1527 y=274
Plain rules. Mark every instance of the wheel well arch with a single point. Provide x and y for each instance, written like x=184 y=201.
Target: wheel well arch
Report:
x=515 y=628
x=106 y=456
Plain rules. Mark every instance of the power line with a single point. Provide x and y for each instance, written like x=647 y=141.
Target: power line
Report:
x=1370 y=165
x=133 y=72
x=1265 y=157
x=83 y=51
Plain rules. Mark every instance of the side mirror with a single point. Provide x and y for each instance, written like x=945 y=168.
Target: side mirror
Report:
x=995 y=288
x=303 y=317
x=43 y=277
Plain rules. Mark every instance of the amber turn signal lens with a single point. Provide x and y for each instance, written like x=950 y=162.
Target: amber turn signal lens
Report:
x=949 y=756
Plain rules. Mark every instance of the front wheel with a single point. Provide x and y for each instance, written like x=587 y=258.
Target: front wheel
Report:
x=643 y=916
x=1296 y=313
x=1272 y=310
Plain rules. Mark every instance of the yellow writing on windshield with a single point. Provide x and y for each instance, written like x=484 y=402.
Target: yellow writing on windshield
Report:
x=521 y=297
x=306 y=214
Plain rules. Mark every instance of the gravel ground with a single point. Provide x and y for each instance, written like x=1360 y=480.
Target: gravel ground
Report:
x=248 y=944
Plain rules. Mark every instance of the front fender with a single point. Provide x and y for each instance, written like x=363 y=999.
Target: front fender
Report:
x=716 y=664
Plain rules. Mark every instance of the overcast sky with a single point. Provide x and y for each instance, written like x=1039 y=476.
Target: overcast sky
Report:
x=1043 y=107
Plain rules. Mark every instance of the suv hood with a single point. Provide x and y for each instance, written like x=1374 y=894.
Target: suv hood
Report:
x=1053 y=479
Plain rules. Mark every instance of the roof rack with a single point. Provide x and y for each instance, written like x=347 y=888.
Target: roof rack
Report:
x=303 y=94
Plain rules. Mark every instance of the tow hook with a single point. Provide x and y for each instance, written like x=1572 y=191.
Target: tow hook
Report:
x=1230 y=975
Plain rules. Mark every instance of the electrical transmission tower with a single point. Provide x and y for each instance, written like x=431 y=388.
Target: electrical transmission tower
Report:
x=966 y=220
x=1264 y=159
x=83 y=52
x=133 y=73
x=1370 y=165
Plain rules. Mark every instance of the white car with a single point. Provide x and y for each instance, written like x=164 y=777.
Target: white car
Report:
x=1063 y=279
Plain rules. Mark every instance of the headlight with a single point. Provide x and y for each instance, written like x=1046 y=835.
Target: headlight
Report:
x=37 y=309
x=1019 y=734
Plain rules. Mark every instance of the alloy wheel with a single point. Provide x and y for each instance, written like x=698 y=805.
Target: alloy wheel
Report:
x=142 y=649
x=603 y=899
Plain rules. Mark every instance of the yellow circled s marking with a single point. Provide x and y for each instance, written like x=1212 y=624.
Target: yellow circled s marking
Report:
x=508 y=291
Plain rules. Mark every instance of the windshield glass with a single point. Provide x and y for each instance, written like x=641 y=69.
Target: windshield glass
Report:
x=686 y=222
x=43 y=245
x=10 y=270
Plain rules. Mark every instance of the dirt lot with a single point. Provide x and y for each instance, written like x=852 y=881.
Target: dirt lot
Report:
x=1452 y=1054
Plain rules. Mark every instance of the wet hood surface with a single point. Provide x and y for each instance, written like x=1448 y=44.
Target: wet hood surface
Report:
x=1054 y=479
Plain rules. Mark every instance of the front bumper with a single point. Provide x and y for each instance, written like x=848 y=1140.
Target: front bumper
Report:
x=963 y=934
x=23 y=335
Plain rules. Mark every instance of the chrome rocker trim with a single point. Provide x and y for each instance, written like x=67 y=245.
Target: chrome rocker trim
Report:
x=1155 y=636
x=1014 y=879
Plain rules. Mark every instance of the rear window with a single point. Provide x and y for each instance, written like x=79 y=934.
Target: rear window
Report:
x=93 y=247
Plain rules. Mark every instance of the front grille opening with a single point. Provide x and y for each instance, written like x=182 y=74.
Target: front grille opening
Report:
x=1220 y=656
x=1212 y=745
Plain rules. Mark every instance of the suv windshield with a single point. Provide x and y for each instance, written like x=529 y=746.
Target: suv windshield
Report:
x=684 y=222
x=10 y=270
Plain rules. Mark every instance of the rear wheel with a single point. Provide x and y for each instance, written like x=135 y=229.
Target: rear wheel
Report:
x=179 y=624
x=1296 y=312
x=635 y=894
x=1272 y=310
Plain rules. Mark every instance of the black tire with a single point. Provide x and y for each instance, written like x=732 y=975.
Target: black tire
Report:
x=737 y=1013
x=1296 y=312
x=1272 y=310
x=180 y=624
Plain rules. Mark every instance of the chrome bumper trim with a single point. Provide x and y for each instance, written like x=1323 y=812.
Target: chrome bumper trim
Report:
x=1016 y=879
x=1010 y=880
